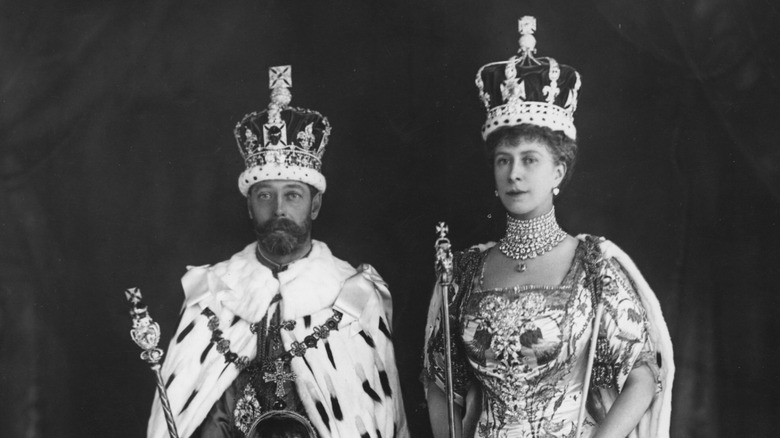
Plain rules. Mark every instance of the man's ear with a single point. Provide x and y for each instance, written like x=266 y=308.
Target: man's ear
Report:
x=316 y=204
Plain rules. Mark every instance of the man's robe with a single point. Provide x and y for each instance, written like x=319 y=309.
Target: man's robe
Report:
x=353 y=369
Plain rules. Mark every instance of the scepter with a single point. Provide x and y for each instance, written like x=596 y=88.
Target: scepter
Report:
x=146 y=333
x=444 y=272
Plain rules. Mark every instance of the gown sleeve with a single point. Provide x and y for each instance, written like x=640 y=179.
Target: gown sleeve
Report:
x=465 y=266
x=623 y=343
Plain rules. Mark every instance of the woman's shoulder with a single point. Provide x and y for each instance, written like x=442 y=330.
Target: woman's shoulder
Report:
x=470 y=255
x=477 y=248
x=609 y=264
x=466 y=262
x=600 y=249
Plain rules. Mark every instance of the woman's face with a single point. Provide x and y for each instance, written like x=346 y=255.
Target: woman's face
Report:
x=526 y=173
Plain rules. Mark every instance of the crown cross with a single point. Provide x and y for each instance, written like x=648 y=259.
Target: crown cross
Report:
x=280 y=77
x=279 y=81
x=526 y=25
x=133 y=295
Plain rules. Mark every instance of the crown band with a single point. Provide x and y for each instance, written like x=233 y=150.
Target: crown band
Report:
x=285 y=157
x=273 y=171
x=535 y=113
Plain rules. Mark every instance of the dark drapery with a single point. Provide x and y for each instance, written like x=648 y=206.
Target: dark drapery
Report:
x=118 y=169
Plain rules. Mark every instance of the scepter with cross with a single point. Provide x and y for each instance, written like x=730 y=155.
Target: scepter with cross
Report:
x=146 y=334
x=444 y=271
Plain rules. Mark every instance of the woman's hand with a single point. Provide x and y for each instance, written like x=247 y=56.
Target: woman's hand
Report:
x=630 y=405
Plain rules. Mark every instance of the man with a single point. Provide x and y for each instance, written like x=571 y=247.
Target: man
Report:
x=284 y=338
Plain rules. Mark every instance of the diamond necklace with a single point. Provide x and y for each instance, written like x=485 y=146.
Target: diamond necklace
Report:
x=526 y=239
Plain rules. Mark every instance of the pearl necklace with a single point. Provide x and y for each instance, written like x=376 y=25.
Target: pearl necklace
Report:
x=526 y=239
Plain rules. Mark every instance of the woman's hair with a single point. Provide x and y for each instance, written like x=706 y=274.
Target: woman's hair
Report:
x=562 y=148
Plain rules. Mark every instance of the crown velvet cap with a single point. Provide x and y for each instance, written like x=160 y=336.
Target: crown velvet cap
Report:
x=282 y=142
x=527 y=89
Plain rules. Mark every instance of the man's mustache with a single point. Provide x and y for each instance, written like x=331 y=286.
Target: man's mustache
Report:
x=282 y=224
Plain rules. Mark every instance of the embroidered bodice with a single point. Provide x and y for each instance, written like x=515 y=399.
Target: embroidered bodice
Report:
x=526 y=346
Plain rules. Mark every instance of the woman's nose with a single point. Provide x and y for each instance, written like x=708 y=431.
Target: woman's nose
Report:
x=515 y=172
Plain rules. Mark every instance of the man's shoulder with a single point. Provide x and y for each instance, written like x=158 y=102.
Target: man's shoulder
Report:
x=321 y=251
x=244 y=255
x=197 y=280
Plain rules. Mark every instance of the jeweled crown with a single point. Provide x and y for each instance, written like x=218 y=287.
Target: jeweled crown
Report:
x=282 y=142
x=527 y=89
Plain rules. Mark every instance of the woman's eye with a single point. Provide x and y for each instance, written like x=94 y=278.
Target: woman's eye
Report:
x=501 y=161
x=529 y=160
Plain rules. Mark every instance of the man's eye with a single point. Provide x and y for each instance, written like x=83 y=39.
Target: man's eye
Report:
x=263 y=196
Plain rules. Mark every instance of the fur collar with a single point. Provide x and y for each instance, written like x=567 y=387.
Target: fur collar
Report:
x=245 y=286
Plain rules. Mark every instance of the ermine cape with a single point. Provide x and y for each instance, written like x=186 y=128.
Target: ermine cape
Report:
x=355 y=371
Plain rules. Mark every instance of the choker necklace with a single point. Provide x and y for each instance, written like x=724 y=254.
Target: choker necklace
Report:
x=526 y=239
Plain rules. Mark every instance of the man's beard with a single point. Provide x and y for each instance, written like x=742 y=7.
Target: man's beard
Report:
x=282 y=236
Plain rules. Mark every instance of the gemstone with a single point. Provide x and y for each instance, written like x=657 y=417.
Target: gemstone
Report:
x=310 y=341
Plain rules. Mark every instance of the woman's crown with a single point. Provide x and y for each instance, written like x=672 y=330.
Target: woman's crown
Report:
x=527 y=89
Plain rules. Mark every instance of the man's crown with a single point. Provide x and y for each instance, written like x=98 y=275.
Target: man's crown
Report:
x=527 y=89
x=282 y=142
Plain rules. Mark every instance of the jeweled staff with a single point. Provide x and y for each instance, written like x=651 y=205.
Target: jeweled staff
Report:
x=444 y=272
x=146 y=333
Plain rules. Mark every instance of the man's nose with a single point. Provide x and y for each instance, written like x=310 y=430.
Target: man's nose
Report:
x=280 y=210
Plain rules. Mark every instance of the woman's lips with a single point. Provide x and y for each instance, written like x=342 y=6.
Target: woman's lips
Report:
x=516 y=192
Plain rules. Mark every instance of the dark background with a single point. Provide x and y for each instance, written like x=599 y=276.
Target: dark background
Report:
x=118 y=168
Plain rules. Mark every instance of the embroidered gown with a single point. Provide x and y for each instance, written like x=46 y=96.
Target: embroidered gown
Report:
x=526 y=346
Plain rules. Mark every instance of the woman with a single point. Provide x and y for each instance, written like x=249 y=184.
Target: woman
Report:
x=523 y=311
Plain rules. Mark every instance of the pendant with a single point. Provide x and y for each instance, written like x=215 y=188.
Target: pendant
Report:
x=279 y=377
x=521 y=267
x=247 y=409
